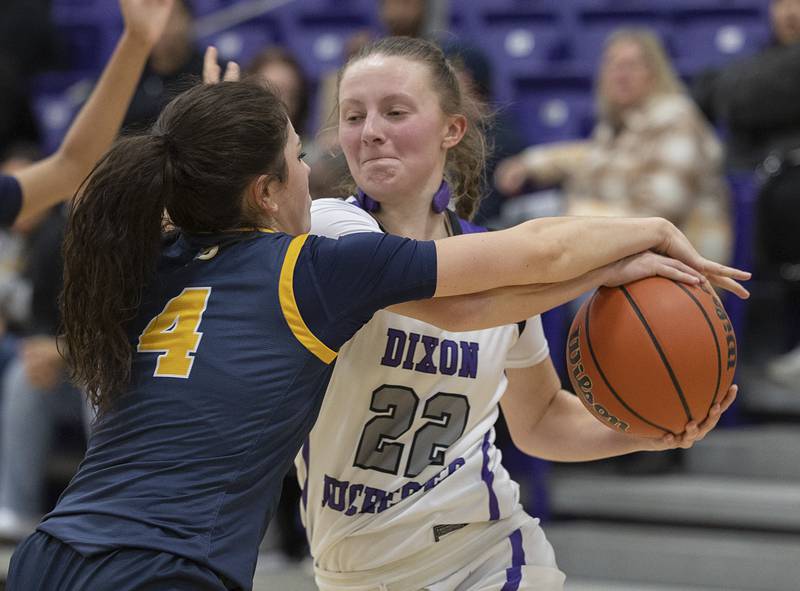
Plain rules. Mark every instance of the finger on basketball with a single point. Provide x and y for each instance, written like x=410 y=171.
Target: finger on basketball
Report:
x=730 y=285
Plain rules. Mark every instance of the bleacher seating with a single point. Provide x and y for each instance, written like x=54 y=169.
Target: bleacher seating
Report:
x=241 y=44
x=554 y=108
x=524 y=40
x=708 y=40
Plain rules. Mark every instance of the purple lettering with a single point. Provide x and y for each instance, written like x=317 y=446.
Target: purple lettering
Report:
x=413 y=339
x=426 y=365
x=395 y=343
x=448 y=357
x=469 y=360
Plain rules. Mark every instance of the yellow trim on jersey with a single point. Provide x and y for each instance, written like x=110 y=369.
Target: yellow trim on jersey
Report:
x=289 y=305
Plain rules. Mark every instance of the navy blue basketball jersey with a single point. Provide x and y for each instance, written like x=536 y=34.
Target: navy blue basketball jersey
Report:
x=10 y=199
x=234 y=345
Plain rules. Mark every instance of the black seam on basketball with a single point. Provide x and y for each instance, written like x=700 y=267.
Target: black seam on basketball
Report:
x=713 y=334
x=660 y=351
x=603 y=375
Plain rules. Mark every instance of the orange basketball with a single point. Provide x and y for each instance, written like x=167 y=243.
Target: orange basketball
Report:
x=647 y=357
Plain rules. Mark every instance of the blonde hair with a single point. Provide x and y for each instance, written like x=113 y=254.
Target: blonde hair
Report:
x=665 y=79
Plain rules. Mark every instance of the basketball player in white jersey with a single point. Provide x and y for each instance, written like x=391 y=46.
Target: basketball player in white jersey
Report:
x=403 y=488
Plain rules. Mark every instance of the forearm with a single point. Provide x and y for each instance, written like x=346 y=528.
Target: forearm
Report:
x=567 y=432
x=546 y=250
x=91 y=134
x=496 y=307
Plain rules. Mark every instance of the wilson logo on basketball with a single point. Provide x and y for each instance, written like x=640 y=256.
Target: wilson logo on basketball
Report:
x=648 y=357
x=584 y=384
x=730 y=338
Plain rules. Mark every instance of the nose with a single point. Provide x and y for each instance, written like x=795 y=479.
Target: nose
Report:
x=372 y=131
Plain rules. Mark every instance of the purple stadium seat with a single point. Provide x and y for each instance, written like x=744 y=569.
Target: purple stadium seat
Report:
x=554 y=109
x=240 y=44
x=319 y=49
x=317 y=31
x=523 y=49
x=713 y=42
x=717 y=5
x=57 y=97
x=204 y=7
x=88 y=46
x=471 y=19
x=90 y=12
x=512 y=8
x=587 y=10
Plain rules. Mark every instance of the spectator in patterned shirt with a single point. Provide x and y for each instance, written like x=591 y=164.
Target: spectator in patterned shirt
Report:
x=651 y=152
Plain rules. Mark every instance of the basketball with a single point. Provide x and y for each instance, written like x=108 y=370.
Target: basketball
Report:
x=648 y=357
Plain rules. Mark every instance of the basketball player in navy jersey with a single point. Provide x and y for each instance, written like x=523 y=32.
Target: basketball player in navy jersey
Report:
x=54 y=179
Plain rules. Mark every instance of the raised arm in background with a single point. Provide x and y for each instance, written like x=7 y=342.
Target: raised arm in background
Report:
x=59 y=175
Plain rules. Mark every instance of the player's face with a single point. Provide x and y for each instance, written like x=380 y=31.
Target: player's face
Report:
x=294 y=203
x=391 y=126
x=625 y=77
x=785 y=16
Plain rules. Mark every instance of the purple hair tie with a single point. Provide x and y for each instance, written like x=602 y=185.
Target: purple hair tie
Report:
x=441 y=199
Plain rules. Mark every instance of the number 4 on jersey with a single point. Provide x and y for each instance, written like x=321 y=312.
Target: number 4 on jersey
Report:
x=174 y=333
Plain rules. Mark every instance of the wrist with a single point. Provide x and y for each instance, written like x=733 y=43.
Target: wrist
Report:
x=661 y=229
x=136 y=40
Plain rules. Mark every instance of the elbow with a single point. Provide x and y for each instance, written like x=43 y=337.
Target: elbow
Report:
x=454 y=317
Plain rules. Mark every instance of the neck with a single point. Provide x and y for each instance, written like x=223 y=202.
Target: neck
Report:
x=412 y=216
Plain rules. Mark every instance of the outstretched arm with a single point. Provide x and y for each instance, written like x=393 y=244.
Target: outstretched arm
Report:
x=550 y=423
x=58 y=176
x=552 y=250
x=507 y=305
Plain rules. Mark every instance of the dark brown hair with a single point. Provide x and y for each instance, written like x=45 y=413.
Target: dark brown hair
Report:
x=465 y=167
x=194 y=165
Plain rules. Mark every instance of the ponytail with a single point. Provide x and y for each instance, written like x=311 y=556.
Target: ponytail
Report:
x=195 y=164
x=111 y=245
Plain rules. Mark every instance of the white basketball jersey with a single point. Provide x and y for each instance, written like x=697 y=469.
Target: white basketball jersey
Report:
x=403 y=450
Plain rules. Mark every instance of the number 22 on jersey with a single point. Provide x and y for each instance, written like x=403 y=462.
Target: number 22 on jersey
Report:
x=175 y=333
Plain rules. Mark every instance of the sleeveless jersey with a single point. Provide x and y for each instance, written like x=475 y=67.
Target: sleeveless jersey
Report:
x=403 y=451
x=233 y=349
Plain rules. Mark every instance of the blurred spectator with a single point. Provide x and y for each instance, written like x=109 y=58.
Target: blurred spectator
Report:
x=15 y=290
x=34 y=390
x=757 y=100
x=37 y=397
x=175 y=64
x=26 y=47
x=280 y=68
x=651 y=152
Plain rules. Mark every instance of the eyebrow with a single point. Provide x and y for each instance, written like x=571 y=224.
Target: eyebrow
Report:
x=389 y=97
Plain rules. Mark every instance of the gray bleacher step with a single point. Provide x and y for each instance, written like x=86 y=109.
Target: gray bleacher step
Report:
x=682 y=499
x=759 y=394
x=752 y=452
x=686 y=559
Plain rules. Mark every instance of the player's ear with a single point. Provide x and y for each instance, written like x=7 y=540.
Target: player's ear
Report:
x=261 y=193
x=456 y=128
